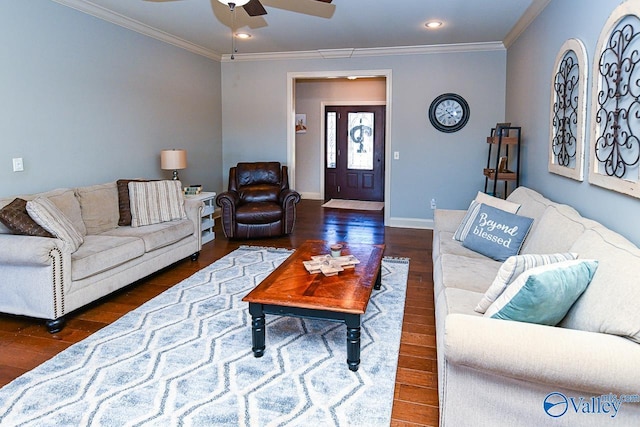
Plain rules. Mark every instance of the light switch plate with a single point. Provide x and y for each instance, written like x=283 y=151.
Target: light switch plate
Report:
x=18 y=165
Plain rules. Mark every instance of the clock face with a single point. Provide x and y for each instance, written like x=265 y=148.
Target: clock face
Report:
x=449 y=112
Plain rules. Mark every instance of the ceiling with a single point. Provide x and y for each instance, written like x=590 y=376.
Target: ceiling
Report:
x=204 y=26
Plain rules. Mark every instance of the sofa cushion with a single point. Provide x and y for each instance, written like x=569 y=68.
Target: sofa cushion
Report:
x=513 y=267
x=454 y=300
x=447 y=245
x=472 y=274
x=16 y=218
x=124 y=204
x=258 y=213
x=65 y=200
x=544 y=294
x=557 y=229
x=101 y=253
x=532 y=203
x=48 y=216
x=99 y=207
x=496 y=233
x=157 y=235
x=610 y=303
x=260 y=193
x=258 y=173
x=155 y=202
x=474 y=207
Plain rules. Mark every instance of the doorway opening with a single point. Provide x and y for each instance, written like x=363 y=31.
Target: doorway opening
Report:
x=300 y=170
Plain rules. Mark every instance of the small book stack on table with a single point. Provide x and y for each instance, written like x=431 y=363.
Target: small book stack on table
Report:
x=193 y=190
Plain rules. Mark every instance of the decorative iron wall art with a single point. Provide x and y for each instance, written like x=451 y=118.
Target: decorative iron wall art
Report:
x=615 y=155
x=568 y=111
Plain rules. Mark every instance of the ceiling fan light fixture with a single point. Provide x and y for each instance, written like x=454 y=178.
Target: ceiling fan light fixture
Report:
x=433 y=24
x=243 y=35
x=236 y=3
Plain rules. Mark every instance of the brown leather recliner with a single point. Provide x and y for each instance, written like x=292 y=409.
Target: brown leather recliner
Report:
x=259 y=202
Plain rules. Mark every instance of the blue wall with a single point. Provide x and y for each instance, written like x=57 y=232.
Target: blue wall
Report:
x=84 y=101
x=432 y=164
x=530 y=62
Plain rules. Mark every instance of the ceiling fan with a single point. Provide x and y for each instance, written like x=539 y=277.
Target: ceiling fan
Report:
x=252 y=7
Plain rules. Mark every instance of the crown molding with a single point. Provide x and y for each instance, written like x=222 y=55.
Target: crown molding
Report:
x=379 y=51
x=137 y=26
x=532 y=12
x=105 y=14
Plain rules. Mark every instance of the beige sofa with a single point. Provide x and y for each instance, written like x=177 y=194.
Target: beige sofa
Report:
x=502 y=373
x=41 y=278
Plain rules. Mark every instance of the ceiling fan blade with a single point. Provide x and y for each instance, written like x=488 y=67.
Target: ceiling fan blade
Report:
x=325 y=1
x=255 y=8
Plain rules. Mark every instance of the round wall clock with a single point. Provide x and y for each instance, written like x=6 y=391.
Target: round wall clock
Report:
x=449 y=112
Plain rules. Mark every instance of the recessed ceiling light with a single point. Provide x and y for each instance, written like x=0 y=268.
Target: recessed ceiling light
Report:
x=433 y=24
x=243 y=35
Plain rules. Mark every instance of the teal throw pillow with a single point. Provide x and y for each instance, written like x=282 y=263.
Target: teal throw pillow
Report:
x=496 y=233
x=544 y=294
x=512 y=268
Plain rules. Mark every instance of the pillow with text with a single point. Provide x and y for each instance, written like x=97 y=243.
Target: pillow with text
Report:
x=496 y=233
x=472 y=212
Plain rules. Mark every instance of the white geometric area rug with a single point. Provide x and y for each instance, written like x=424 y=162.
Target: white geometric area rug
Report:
x=184 y=358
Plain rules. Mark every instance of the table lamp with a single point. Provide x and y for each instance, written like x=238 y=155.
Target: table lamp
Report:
x=173 y=160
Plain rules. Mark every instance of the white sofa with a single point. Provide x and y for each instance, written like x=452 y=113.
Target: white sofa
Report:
x=495 y=372
x=40 y=278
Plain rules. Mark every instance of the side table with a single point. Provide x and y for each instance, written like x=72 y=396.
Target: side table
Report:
x=208 y=214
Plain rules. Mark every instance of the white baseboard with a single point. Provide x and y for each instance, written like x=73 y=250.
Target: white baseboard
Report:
x=312 y=196
x=410 y=223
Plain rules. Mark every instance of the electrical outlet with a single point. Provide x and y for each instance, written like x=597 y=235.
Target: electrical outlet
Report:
x=18 y=165
x=433 y=203
x=396 y=155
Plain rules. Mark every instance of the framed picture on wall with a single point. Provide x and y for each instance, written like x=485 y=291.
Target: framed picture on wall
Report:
x=301 y=123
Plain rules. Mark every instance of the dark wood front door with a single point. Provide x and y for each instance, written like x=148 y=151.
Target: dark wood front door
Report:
x=354 y=153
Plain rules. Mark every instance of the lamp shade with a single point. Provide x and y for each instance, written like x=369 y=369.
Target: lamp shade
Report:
x=173 y=159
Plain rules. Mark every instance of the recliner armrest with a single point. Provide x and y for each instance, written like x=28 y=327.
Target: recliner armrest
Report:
x=227 y=198
x=289 y=196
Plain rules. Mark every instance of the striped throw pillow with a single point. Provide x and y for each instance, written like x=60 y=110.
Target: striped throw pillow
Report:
x=513 y=267
x=48 y=216
x=155 y=202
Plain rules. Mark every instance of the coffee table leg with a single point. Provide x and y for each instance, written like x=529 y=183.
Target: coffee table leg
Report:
x=378 y=279
x=353 y=341
x=257 y=329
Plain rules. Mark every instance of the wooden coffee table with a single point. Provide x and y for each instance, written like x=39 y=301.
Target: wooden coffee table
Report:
x=292 y=291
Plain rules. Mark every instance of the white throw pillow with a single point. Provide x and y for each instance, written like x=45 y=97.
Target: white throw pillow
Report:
x=474 y=207
x=48 y=216
x=155 y=202
x=513 y=267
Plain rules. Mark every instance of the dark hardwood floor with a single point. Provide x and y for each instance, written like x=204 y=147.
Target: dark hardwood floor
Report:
x=25 y=342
